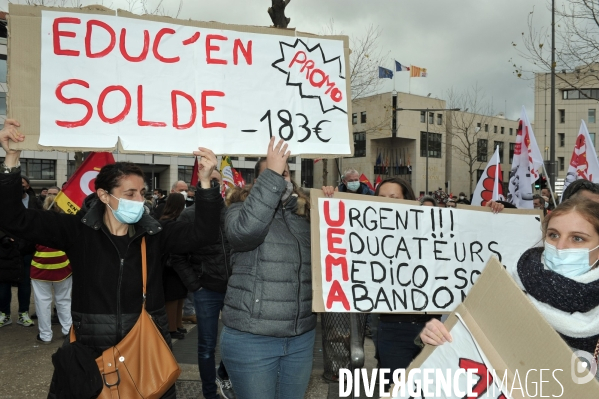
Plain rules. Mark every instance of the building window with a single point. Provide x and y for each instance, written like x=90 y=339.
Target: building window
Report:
x=580 y=94
x=502 y=130
x=478 y=125
x=512 y=147
x=434 y=145
x=307 y=173
x=422 y=116
x=185 y=173
x=39 y=169
x=2 y=103
x=481 y=150
x=495 y=129
x=251 y=159
x=354 y=118
x=363 y=117
x=560 y=161
x=562 y=115
x=439 y=119
x=3 y=68
x=431 y=118
x=592 y=138
x=360 y=144
x=511 y=131
x=591 y=116
x=562 y=139
x=500 y=145
x=487 y=127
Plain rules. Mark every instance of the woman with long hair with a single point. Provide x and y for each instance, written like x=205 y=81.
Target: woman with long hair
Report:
x=561 y=278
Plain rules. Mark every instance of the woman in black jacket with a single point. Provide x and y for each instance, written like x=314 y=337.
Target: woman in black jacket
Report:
x=104 y=244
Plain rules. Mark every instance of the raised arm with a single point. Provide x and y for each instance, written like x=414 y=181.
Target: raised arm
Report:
x=47 y=228
x=183 y=237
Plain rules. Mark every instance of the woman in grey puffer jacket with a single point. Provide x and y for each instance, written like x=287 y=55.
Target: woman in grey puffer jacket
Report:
x=268 y=338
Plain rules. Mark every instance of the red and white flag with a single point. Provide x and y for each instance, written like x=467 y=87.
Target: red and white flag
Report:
x=81 y=184
x=490 y=185
x=364 y=179
x=378 y=181
x=526 y=165
x=584 y=163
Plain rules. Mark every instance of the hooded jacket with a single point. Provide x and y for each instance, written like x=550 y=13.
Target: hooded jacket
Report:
x=107 y=286
x=364 y=189
x=270 y=291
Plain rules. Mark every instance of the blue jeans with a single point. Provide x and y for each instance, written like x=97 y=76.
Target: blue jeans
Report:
x=188 y=305
x=23 y=290
x=267 y=367
x=208 y=305
x=395 y=344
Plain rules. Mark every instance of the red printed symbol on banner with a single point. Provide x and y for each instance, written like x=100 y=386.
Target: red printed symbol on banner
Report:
x=486 y=379
x=579 y=159
x=489 y=184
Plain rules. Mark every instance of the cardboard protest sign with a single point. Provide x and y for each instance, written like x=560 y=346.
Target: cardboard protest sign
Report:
x=87 y=78
x=515 y=352
x=373 y=254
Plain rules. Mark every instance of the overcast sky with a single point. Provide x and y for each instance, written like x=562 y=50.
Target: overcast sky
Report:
x=460 y=42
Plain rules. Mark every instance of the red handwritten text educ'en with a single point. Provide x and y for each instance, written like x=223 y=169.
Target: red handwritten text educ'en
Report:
x=83 y=48
x=336 y=255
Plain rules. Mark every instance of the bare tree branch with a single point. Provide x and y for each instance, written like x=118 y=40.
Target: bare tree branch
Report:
x=576 y=48
x=468 y=126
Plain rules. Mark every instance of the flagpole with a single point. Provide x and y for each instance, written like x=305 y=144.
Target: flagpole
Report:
x=549 y=185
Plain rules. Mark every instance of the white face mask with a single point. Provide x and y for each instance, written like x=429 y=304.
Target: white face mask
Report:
x=569 y=263
x=184 y=194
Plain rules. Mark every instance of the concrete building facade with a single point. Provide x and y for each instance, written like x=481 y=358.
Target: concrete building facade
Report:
x=576 y=99
x=400 y=143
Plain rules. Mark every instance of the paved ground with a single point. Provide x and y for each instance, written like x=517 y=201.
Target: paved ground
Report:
x=26 y=367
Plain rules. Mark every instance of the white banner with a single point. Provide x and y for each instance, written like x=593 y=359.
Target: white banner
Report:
x=583 y=163
x=387 y=257
x=490 y=185
x=163 y=87
x=526 y=164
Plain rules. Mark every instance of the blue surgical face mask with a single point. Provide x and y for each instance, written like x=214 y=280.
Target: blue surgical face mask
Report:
x=568 y=262
x=353 y=185
x=128 y=212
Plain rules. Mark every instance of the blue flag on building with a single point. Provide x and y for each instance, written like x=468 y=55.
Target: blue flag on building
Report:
x=400 y=68
x=385 y=73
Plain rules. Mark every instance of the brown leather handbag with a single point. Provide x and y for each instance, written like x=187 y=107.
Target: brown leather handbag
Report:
x=142 y=364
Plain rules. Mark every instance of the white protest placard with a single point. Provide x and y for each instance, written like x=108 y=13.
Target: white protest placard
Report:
x=376 y=255
x=166 y=87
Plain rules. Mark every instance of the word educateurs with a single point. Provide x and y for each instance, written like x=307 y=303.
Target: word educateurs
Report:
x=384 y=257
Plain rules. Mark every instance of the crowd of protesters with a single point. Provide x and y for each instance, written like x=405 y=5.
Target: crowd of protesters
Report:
x=246 y=259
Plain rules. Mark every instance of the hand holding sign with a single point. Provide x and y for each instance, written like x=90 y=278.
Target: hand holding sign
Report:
x=276 y=156
x=206 y=165
x=9 y=132
x=435 y=333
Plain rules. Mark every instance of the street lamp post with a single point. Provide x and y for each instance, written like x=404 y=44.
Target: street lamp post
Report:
x=427 y=116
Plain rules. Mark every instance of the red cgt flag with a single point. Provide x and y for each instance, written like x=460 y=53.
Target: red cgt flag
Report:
x=81 y=184
x=364 y=179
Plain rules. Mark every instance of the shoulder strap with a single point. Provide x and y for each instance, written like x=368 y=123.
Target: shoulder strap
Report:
x=144 y=268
